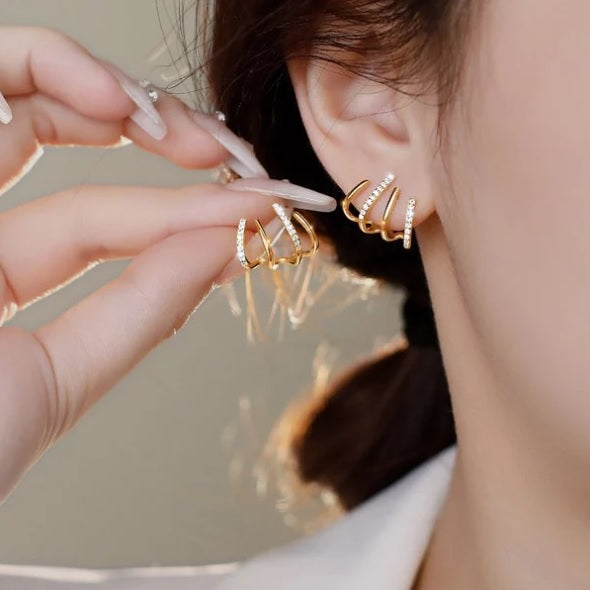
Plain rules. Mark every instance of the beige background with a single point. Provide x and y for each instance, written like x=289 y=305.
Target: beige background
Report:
x=145 y=478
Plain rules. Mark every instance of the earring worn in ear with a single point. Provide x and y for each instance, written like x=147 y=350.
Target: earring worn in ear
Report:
x=409 y=223
x=373 y=227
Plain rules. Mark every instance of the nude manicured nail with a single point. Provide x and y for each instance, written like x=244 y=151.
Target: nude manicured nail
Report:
x=8 y=313
x=146 y=116
x=243 y=160
x=5 y=111
x=300 y=197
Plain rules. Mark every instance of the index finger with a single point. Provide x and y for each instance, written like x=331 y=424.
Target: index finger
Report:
x=41 y=60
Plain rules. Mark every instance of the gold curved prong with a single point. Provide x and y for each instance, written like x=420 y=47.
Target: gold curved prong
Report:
x=253 y=265
x=269 y=256
x=366 y=225
x=391 y=202
x=391 y=236
x=293 y=260
x=297 y=255
x=267 y=244
x=386 y=234
x=315 y=243
x=299 y=252
x=241 y=248
x=359 y=188
x=373 y=227
x=369 y=227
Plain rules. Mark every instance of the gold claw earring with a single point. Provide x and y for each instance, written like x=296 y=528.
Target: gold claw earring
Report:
x=373 y=227
x=269 y=257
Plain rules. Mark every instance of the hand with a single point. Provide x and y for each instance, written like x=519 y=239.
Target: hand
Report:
x=179 y=239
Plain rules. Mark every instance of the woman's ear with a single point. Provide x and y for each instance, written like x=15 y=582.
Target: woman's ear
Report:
x=361 y=129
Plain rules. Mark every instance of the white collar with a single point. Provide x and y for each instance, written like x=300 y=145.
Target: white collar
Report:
x=379 y=545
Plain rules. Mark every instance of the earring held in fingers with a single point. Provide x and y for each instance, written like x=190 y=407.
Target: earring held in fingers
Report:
x=241 y=245
x=269 y=256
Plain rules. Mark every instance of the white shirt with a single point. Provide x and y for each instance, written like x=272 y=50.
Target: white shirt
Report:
x=379 y=545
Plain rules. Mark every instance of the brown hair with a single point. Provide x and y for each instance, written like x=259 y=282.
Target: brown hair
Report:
x=387 y=415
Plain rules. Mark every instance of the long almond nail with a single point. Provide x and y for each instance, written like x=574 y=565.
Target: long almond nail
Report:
x=5 y=111
x=243 y=160
x=146 y=116
x=301 y=197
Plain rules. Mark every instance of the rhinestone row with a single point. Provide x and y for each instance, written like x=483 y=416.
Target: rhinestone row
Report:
x=280 y=211
x=375 y=195
x=240 y=243
x=409 y=222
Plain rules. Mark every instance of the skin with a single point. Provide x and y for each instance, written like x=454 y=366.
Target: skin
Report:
x=502 y=222
x=180 y=240
x=502 y=219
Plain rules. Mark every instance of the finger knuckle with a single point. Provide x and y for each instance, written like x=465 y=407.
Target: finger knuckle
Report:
x=60 y=414
x=50 y=37
x=8 y=295
x=34 y=374
x=44 y=128
x=85 y=242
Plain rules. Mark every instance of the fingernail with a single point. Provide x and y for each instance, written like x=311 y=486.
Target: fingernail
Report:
x=253 y=248
x=243 y=160
x=8 y=312
x=301 y=197
x=5 y=111
x=146 y=116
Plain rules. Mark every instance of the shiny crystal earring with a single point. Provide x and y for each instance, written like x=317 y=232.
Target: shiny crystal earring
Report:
x=269 y=257
x=380 y=227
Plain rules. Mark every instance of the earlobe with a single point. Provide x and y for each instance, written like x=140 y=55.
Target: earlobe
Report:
x=361 y=129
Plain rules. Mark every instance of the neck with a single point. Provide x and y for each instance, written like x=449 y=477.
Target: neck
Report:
x=515 y=517
x=518 y=510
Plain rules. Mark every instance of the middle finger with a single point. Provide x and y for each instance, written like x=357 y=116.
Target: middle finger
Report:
x=40 y=119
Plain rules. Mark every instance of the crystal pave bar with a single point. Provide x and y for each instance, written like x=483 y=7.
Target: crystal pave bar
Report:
x=409 y=223
x=240 y=243
x=375 y=195
x=285 y=219
x=282 y=214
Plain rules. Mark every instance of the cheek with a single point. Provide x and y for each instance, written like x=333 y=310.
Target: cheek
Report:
x=521 y=234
